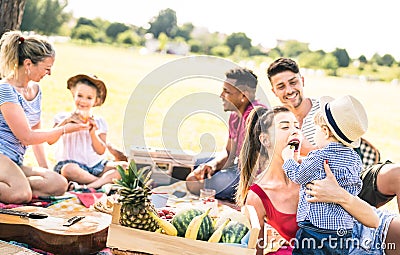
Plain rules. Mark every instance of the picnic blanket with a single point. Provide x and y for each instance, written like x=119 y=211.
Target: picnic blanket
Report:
x=74 y=201
x=9 y=248
x=38 y=201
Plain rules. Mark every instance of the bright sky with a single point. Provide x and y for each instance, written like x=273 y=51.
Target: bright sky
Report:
x=361 y=27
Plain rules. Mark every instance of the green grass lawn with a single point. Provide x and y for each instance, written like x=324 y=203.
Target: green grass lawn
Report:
x=123 y=69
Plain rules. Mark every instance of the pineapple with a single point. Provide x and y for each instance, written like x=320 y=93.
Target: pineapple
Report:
x=133 y=196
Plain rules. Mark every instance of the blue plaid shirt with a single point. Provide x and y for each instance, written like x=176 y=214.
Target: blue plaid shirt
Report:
x=345 y=164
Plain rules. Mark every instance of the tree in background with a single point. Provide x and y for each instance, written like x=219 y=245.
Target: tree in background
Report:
x=310 y=59
x=330 y=63
x=275 y=53
x=29 y=17
x=84 y=21
x=11 y=13
x=221 y=51
x=387 y=60
x=114 y=29
x=91 y=30
x=203 y=41
x=256 y=51
x=185 y=31
x=239 y=53
x=342 y=57
x=238 y=39
x=129 y=37
x=48 y=17
x=165 y=22
x=363 y=59
x=293 y=48
x=85 y=33
x=45 y=16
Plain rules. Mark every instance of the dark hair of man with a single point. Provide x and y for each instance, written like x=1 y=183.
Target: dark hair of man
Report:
x=243 y=76
x=281 y=65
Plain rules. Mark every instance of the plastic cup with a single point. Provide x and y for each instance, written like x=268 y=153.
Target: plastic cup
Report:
x=207 y=193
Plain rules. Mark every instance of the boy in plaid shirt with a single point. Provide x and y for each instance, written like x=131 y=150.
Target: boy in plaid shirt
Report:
x=340 y=123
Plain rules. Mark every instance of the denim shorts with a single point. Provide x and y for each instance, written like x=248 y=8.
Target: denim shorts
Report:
x=18 y=159
x=95 y=170
x=371 y=241
x=312 y=240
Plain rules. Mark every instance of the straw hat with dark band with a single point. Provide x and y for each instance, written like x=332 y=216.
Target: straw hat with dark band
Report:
x=346 y=118
x=101 y=87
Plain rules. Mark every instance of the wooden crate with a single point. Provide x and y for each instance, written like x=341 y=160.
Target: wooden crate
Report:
x=124 y=240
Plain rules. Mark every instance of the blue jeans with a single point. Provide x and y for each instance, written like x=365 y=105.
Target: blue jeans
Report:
x=369 y=241
x=224 y=181
x=313 y=240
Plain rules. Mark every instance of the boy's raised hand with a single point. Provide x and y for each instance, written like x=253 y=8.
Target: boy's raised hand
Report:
x=288 y=152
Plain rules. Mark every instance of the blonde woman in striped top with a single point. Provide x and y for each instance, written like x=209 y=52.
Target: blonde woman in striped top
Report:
x=23 y=63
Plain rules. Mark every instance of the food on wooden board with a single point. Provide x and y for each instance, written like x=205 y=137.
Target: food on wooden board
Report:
x=183 y=218
x=135 y=203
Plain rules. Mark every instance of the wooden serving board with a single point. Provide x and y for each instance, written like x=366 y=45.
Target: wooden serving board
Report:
x=134 y=240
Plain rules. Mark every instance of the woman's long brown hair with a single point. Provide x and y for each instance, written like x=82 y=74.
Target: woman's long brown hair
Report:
x=259 y=121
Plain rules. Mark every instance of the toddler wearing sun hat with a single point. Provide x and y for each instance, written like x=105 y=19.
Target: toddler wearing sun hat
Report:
x=340 y=123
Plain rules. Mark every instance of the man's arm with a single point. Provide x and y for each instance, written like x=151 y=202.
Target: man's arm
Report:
x=223 y=160
x=227 y=157
x=195 y=180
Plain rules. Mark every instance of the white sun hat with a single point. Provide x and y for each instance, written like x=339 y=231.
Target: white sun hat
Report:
x=346 y=118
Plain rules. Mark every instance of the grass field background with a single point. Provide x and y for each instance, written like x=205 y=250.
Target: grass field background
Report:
x=123 y=69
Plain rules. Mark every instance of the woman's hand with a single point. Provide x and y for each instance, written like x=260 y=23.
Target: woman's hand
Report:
x=73 y=118
x=326 y=190
x=329 y=191
x=73 y=127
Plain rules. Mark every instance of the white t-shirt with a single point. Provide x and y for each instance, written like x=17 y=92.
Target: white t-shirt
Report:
x=308 y=128
x=78 y=145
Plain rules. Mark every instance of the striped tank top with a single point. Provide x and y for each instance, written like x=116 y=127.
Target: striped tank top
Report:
x=8 y=141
